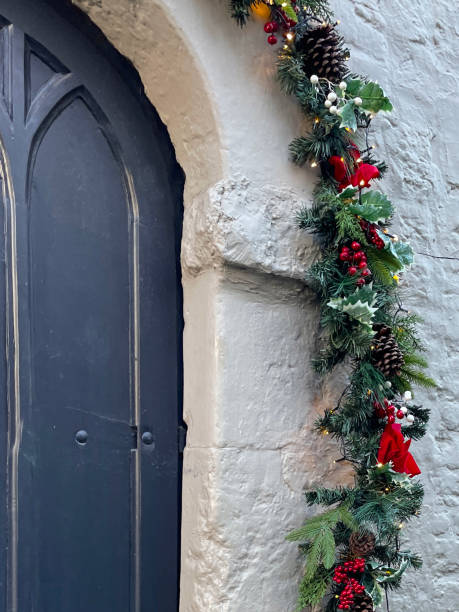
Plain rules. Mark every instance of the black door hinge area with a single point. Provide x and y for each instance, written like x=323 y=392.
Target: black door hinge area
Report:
x=181 y=433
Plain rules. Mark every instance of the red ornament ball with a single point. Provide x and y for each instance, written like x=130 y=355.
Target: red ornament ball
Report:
x=269 y=27
x=352 y=270
x=344 y=256
x=362 y=265
x=361 y=282
x=355 y=246
x=391 y=419
x=400 y=414
x=272 y=40
x=366 y=272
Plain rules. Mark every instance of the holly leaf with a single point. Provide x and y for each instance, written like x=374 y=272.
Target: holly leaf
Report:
x=372 y=587
x=353 y=87
x=374 y=207
x=348 y=193
x=359 y=305
x=373 y=98
x=361 y=312
x=389 y=574
x=348 y=118
x=385 y=258
x=401 y=251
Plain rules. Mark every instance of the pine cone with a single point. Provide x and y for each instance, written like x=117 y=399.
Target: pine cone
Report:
x=386 y=356
x=362 y=603
x=361 y=543
x=323 y=52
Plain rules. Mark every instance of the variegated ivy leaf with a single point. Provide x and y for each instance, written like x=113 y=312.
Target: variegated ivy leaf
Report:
x=402 y=251
x=373 y=207
x=348 y=118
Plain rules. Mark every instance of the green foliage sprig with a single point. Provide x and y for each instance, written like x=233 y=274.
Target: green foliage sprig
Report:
x=381 y=500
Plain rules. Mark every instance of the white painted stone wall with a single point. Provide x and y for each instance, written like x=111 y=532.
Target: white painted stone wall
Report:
x=251 y=325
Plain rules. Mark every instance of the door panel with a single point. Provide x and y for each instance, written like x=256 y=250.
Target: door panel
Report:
x=79 y=269
x=92 y=210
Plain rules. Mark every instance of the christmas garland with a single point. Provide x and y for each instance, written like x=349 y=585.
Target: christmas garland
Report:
x=353 y=550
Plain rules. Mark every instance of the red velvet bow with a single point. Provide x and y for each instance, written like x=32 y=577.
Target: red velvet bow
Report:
x=361 y=178
x=365 y=173
x=394 y=448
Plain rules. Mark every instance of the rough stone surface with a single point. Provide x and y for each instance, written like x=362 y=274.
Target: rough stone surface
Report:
x=250 y=396
x=243 y=224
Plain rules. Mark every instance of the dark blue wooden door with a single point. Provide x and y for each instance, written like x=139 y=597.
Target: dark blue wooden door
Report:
x=90 y=378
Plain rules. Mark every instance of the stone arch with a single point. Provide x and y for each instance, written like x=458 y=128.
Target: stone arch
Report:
x=147 y=35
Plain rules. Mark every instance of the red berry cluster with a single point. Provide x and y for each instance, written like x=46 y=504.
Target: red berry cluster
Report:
x=388 y=410
x=283 y=21
x=270 y=28
x=357 y=261
x=371 y=230
x=352 y=586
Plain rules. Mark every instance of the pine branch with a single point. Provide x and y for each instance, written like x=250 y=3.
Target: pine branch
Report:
x=240 y=10
x=417 y=377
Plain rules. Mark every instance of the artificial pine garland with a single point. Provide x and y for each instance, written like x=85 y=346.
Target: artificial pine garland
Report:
x=353 y=550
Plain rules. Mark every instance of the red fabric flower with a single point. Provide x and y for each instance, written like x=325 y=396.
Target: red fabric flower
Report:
x=393 y=447
x=364 y=174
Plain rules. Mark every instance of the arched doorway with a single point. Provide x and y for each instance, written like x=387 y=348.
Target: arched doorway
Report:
x=91 y=381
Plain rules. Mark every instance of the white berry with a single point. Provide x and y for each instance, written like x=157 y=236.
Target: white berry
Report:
x=407 y=396
x=358 y=101
x=333 y=110
x=404 y=409
x=328 y=103
x=314 y=79
x=410 y=418
x=343 y=86
x=388 y=384
x=332 y=96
